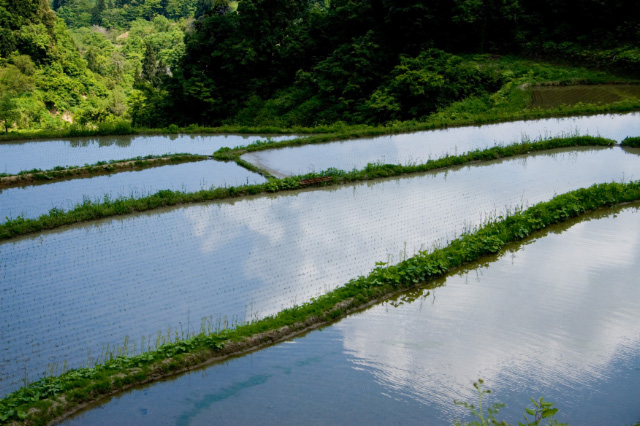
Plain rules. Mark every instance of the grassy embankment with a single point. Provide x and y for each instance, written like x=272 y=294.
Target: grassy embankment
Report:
x=55 y=397
x=633 y=142
x=99 y=168
x=88 y=210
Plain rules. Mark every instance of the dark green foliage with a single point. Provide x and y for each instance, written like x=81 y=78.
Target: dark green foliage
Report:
x=633 y=142
x=214 y=7
x=97 y=11
x=149 y=64
x=289 y=63
x=298 y=63
x=57 y=4
x=419 y=86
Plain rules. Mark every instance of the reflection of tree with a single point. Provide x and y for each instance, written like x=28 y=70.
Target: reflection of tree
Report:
x=121 y=141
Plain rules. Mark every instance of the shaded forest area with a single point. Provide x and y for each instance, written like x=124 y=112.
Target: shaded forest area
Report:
x=297 y=63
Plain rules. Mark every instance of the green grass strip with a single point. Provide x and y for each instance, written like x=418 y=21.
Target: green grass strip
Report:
x=54 y=397
x=89 y=210
x=631 y=142
x=101 y=167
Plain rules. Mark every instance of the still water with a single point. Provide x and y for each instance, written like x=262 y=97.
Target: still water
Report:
x=68 y=296
x=556 y=316
x=420 y=147
x=16 y=156
x=31 y=201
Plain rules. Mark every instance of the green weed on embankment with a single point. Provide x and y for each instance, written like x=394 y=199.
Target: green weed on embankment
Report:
x=91 y=210
x=101 y=167
x=53 y=397
x=632 y=142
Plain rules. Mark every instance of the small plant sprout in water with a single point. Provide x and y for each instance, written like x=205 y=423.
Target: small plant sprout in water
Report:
x=483 y=419
x=541 y=410
x=541 y=414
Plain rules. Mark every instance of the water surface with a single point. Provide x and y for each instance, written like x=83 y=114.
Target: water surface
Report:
x=555 y=317
x=16 y=156
x=31 y=201
x=420 y=147
x=67 y=294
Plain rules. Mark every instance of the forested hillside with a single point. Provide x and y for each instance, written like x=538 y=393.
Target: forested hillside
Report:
x=297 y=62
x=81 y=64
x=300 y=62
x=44 y=80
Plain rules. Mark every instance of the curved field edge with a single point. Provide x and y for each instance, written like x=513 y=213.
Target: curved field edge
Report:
x=89 y=210
x=55 y=398
x=99 y=168
x=340 y=130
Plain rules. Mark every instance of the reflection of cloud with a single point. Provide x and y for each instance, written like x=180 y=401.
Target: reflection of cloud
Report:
x=560 y=313
x=419 y=147
x=307 y=242
x=135 y=275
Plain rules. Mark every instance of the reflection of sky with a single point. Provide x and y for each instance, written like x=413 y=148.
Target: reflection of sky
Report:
x=68 y=292
x=33 y=200
x=422 y=146
x=556 y=317
x=21 y=155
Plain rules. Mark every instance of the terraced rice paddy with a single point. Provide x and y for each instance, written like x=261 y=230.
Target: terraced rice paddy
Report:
x=553 y=97
x=567 y=330
x=421 y=146
x=17 y=156
x=71 y=296
x=31 y=201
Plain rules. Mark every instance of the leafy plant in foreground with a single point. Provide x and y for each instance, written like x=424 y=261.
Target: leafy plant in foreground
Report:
x=543 y=412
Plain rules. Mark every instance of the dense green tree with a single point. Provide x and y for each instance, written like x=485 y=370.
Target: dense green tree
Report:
x=15 y=80
x=57 y=4
x=97 y=11
x=149 y=64
x=488 y=19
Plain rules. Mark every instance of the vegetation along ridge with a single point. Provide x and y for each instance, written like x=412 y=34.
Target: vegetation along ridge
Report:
x=89 y=210
x=99 y=168
x=54 y=398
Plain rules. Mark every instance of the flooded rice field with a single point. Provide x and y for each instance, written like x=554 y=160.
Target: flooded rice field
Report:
x=553 y=97
x=17 y=156
x=421 y=146
x=70 y=296
x=31 y=201
x=556 y=316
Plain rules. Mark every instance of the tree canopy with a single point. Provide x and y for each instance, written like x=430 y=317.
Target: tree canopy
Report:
x=373 y=60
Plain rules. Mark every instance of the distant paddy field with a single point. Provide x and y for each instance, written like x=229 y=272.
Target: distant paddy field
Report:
x=553 y=97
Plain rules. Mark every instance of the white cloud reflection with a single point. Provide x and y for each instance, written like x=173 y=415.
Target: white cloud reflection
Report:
x=555 y=314
x=419 y=147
